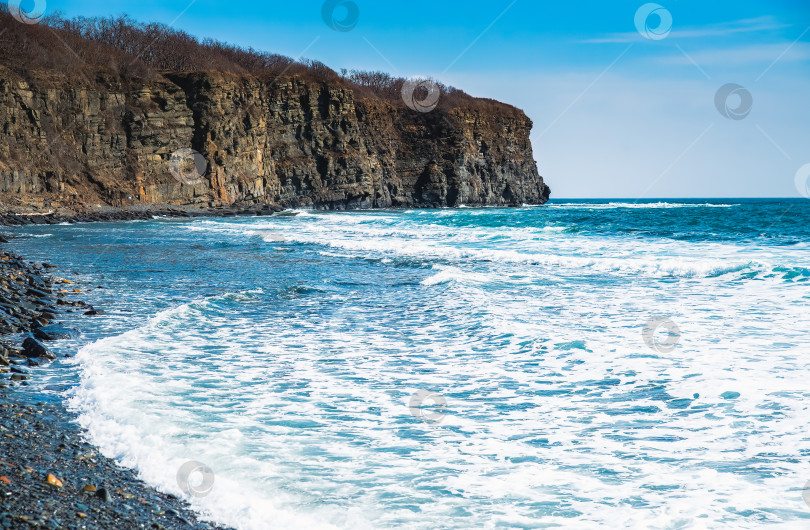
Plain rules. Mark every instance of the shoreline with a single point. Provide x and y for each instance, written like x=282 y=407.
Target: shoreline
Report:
x=20 y=216
x=50 y=476
x=31 y=216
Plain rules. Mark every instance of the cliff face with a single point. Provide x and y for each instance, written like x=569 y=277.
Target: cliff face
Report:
x=292 y=142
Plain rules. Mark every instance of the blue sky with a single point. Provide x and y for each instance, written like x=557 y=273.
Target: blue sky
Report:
x=616 y=114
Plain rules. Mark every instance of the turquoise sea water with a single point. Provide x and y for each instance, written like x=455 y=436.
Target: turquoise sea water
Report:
x=580 y=364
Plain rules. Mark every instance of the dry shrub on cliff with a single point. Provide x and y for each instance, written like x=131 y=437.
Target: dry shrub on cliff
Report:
x=131 y=49
x=379 y=84
x=86 y=47
x=41 y=49
x=388 y=87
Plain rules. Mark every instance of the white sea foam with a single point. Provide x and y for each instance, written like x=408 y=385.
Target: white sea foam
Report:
x=138 y=437
x=453 y=274
x=558 y=413
x=635 y=205
x=389 y=242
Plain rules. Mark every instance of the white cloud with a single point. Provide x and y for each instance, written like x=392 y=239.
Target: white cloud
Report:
x=743 y=55
x=749 y=25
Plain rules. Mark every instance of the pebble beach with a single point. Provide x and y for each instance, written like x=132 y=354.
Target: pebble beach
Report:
x=50 y=477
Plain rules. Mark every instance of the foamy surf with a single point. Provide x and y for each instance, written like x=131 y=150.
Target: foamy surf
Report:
x=292 y=375
x=635 y=205
x=138 y=438
x=376 y=243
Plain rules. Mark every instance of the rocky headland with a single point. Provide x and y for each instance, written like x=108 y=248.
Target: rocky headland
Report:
x=88 y=122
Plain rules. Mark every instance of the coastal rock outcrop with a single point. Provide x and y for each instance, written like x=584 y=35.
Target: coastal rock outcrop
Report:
x=290 y=142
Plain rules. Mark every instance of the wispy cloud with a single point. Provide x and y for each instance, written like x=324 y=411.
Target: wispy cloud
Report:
x=748 y=25
x=744 y=55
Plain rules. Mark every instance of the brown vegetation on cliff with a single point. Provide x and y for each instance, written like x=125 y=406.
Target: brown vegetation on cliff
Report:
x=132 y=49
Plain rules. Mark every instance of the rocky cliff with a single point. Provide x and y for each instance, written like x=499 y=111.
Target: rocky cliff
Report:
x=288 y=142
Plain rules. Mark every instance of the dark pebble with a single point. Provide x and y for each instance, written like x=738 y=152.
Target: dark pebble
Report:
x=104 y=495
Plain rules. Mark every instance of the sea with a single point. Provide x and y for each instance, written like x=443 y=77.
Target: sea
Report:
x=582 y=364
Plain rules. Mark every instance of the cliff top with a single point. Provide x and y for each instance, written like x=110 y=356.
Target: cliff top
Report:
x=103 y=50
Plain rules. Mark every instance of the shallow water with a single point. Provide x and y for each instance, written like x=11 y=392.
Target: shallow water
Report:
x=284 y=352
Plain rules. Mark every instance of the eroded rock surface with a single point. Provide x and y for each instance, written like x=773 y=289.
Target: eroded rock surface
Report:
x=290 y=142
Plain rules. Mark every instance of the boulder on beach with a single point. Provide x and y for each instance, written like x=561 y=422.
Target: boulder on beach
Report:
x=32 y=348
x=55 y=332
